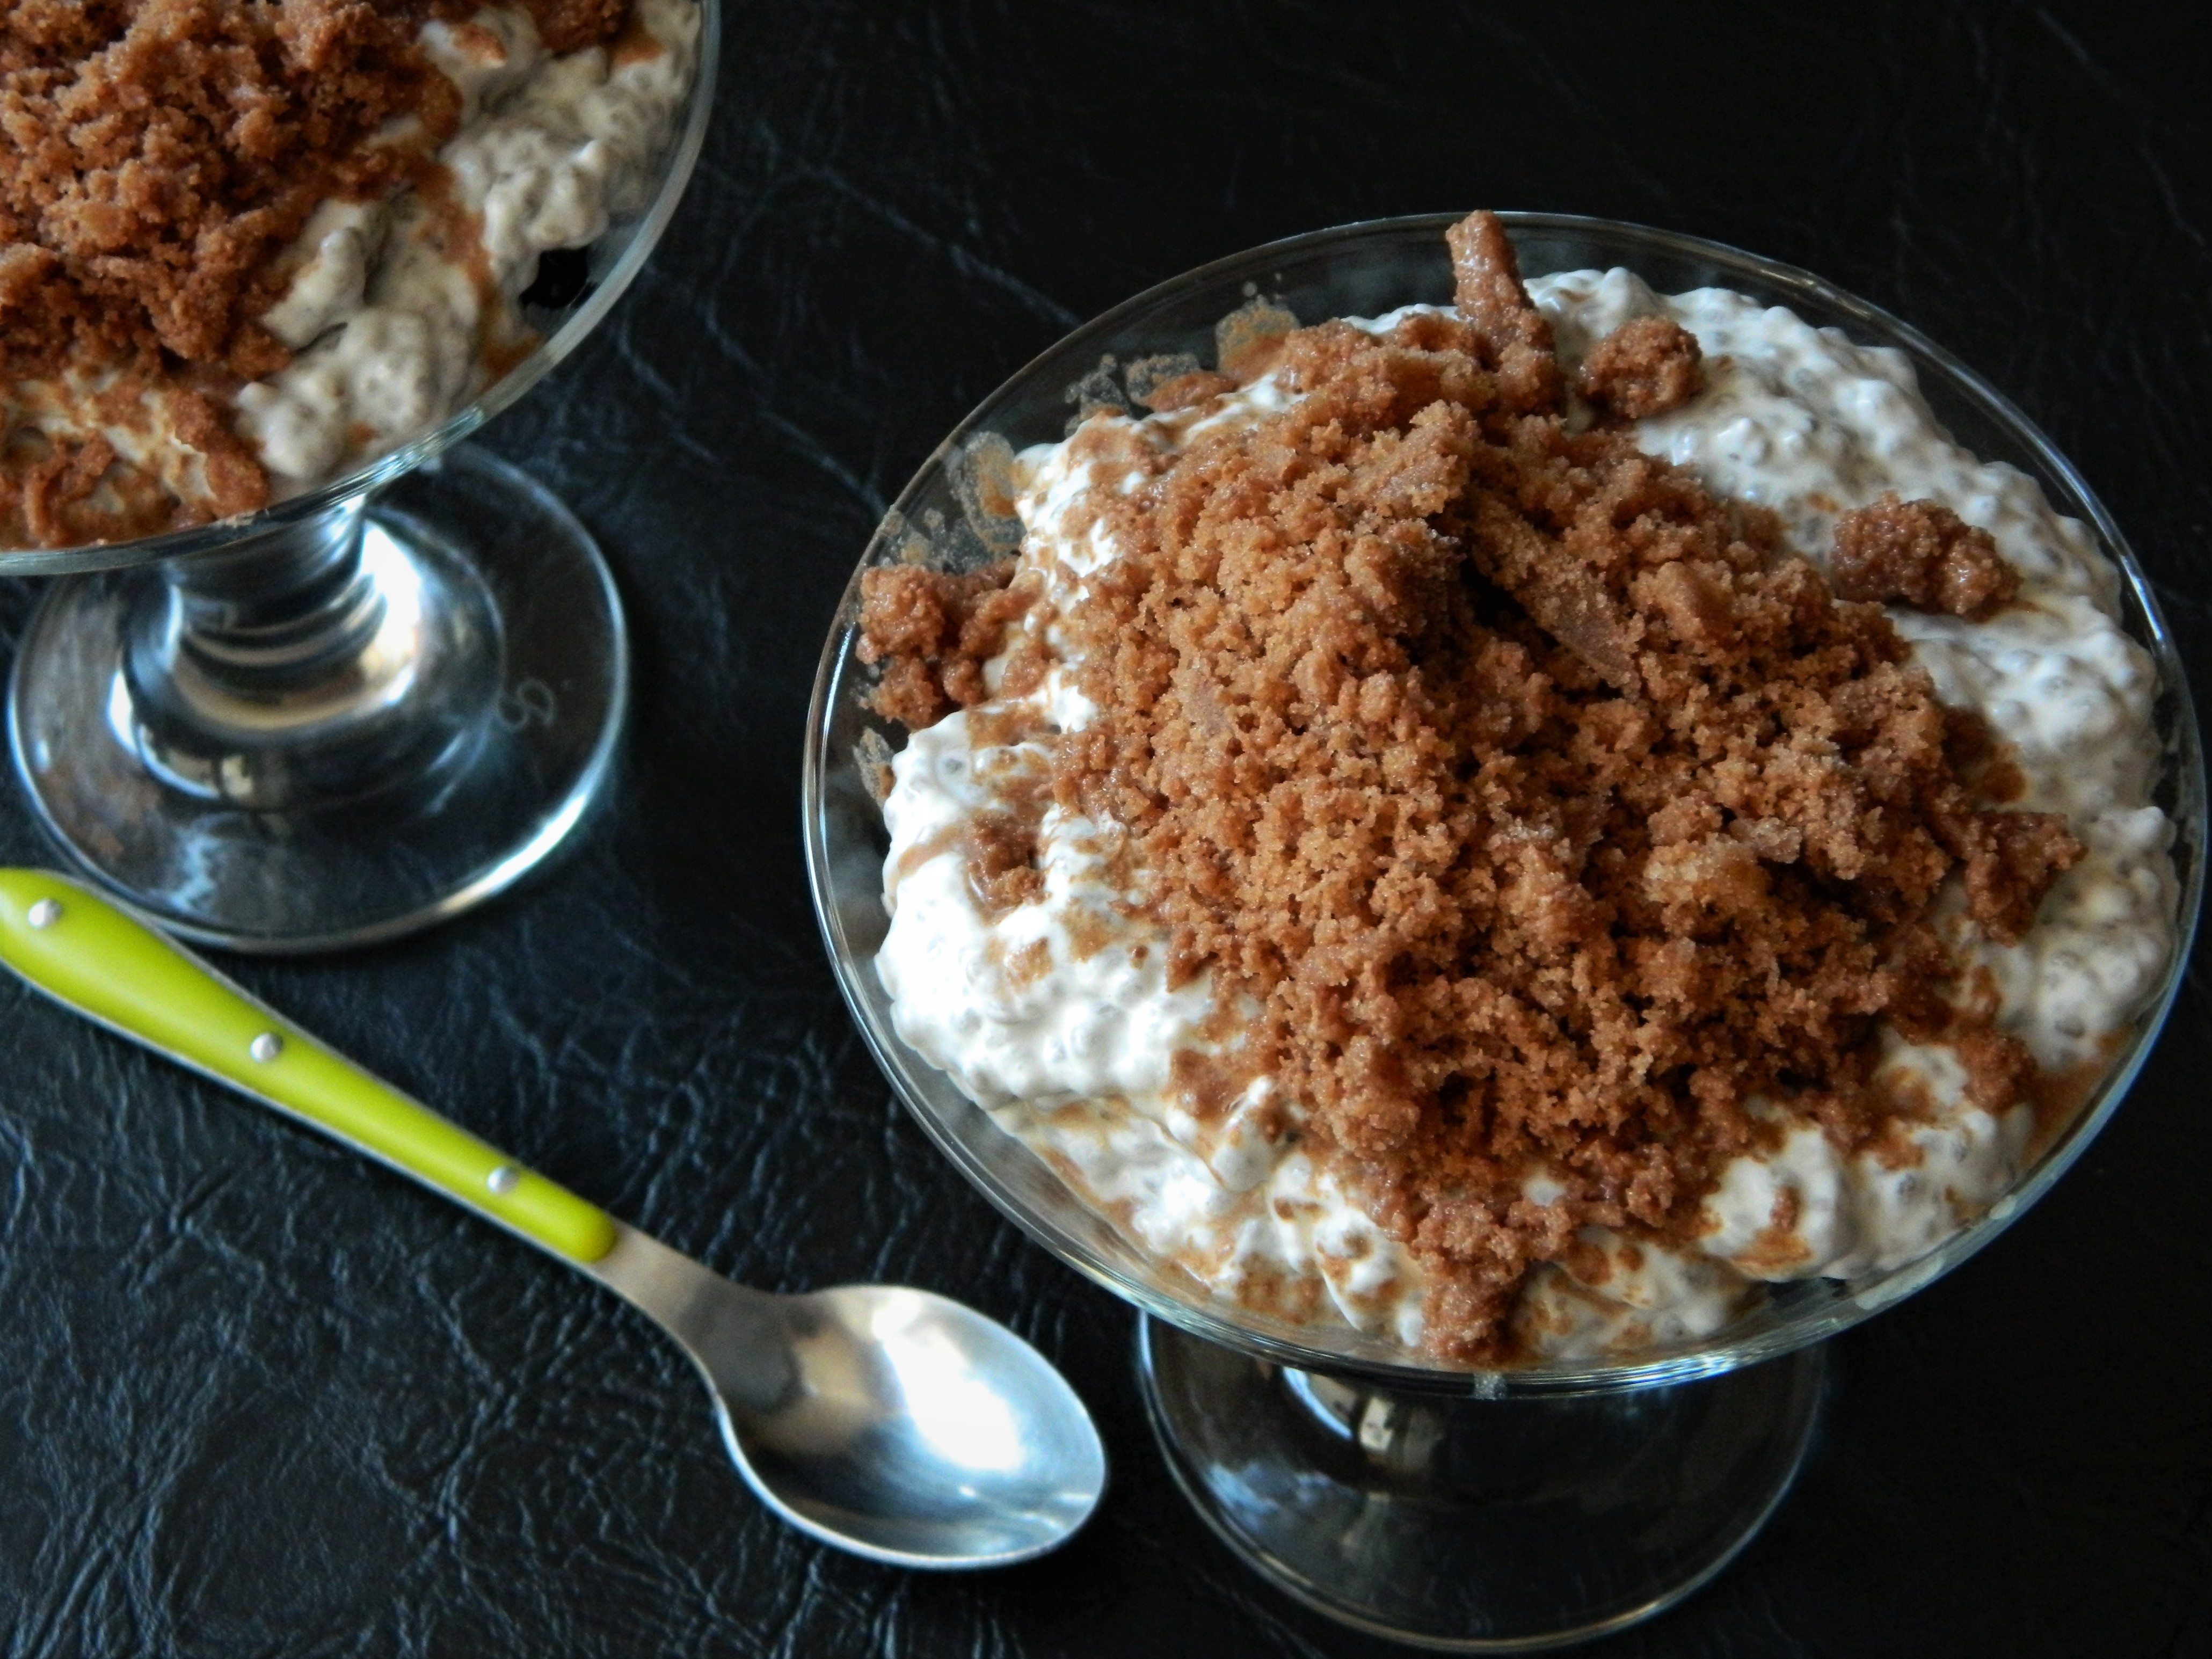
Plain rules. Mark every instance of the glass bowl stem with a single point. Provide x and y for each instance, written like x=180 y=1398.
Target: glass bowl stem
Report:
x=335 y=731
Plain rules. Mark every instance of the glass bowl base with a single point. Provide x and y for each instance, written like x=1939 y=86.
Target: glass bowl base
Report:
x=449 y=755
x=1476 y=1526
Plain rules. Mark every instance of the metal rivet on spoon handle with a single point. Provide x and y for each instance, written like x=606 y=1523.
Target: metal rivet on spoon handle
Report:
x=891 y=1422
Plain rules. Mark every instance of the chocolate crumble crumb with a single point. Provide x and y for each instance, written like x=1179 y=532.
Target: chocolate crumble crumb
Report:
x=933 y=631
x=2000 y=1070
x=2010 y=860
x=1919 y=553
x=1002 y=860
x=1647 y=366
x=1515 y=340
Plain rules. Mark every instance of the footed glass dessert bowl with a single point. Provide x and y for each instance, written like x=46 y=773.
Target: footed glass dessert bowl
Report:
x=1577 y=1489
x=386 y=696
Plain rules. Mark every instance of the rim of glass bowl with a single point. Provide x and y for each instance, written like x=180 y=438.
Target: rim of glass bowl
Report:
x=1368 y=268
x=615 y=261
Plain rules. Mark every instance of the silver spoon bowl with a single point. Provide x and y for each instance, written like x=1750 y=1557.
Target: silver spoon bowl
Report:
x=893 y=1422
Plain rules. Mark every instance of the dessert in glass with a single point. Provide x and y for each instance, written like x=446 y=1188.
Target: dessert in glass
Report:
x=1502 y=866
x=314 y=676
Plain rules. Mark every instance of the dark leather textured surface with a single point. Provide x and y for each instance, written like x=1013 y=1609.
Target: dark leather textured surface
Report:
x=257 y=1397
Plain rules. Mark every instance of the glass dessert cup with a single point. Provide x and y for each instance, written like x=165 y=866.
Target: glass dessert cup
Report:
x=1458 y=1510
x=365 y=707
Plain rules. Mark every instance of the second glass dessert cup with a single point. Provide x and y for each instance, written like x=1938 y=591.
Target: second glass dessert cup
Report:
x=366 y=708
x=1460 y=1511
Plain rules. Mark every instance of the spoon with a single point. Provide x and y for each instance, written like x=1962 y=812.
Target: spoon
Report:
x=890 y=1422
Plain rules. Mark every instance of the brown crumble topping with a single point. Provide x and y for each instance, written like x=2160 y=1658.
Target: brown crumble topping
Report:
x=1187 y=391
x=567 y=26
x=1550 y=811
x=1647 y=366
x=933 y=630
x=1030 y=964
x=155 y=157
x=1515 y=337
x=1919 y=553
x=1002 y=849
x=1999 y=1066
x=2011 y=859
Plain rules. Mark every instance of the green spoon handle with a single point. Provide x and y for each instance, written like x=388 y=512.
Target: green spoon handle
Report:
x=88 y=955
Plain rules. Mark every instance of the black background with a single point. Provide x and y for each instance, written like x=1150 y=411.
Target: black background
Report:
x=257 y=1397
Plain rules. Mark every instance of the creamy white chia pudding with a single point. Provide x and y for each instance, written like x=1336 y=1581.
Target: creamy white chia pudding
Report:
x=1908 y=1007
x=397 y=320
